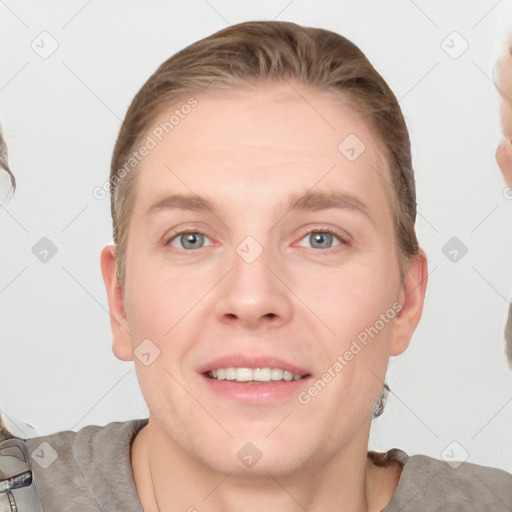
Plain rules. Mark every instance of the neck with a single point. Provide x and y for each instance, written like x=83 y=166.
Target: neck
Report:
x=348 y=481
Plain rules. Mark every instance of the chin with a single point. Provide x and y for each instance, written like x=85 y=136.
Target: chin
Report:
x=251 y=462
x=258 y=454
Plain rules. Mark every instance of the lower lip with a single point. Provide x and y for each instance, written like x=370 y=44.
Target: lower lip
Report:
x=257 y=392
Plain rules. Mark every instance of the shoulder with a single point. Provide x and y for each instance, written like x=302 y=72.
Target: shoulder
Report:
x=88 y=468
x=431 y=484
x=84 y=442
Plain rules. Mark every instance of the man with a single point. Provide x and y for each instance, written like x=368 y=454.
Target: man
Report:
x=4 y=167
x=504 y=149
x=265 y=269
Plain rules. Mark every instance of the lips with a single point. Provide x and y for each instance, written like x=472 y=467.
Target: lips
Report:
x=252 y=390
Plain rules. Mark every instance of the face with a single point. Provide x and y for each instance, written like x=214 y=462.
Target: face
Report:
x=504 y=150
x=249 y=282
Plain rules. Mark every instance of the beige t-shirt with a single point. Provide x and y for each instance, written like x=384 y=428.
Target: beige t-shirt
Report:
x=90 y=471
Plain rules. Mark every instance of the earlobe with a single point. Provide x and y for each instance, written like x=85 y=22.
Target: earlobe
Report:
x=121 y=339
x=412 y=297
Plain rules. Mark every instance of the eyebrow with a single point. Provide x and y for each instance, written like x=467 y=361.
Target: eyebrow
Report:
x=307 y=201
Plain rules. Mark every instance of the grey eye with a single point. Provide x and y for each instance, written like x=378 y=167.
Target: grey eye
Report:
x=192 y=240
x=321 y=240
x=188 y=240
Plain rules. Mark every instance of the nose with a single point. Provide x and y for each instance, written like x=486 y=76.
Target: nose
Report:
x=254 y=293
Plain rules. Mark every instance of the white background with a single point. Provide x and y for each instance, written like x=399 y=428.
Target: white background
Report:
x=61 y=116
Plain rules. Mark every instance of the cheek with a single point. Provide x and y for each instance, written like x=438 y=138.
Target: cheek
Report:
x=156 y=300
x=354 y=298
x=504 y=160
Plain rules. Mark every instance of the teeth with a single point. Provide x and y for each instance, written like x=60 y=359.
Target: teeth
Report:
x=244 y=374
x=288 y=376
x=230 y=373
x=262 y=374
x=276 y=374
x=250 y=374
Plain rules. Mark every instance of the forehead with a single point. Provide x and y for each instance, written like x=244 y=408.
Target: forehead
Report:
x=267 y=141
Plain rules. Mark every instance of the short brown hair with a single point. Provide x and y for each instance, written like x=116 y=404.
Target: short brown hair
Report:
x=247 y=54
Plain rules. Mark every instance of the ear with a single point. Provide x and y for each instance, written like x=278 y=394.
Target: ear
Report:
x=121 y=341
x=503 y=156
x=412 y=296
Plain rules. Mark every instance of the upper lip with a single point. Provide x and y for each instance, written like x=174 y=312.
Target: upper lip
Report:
x=245 y=361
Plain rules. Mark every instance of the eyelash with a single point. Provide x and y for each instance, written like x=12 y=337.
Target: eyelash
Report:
x=343 y=240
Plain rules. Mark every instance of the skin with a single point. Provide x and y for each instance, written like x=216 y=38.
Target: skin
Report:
x=504 y=149
x=249 y=151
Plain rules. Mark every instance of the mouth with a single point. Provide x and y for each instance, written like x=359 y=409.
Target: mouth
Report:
x=254 y=375
x=254 y=379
